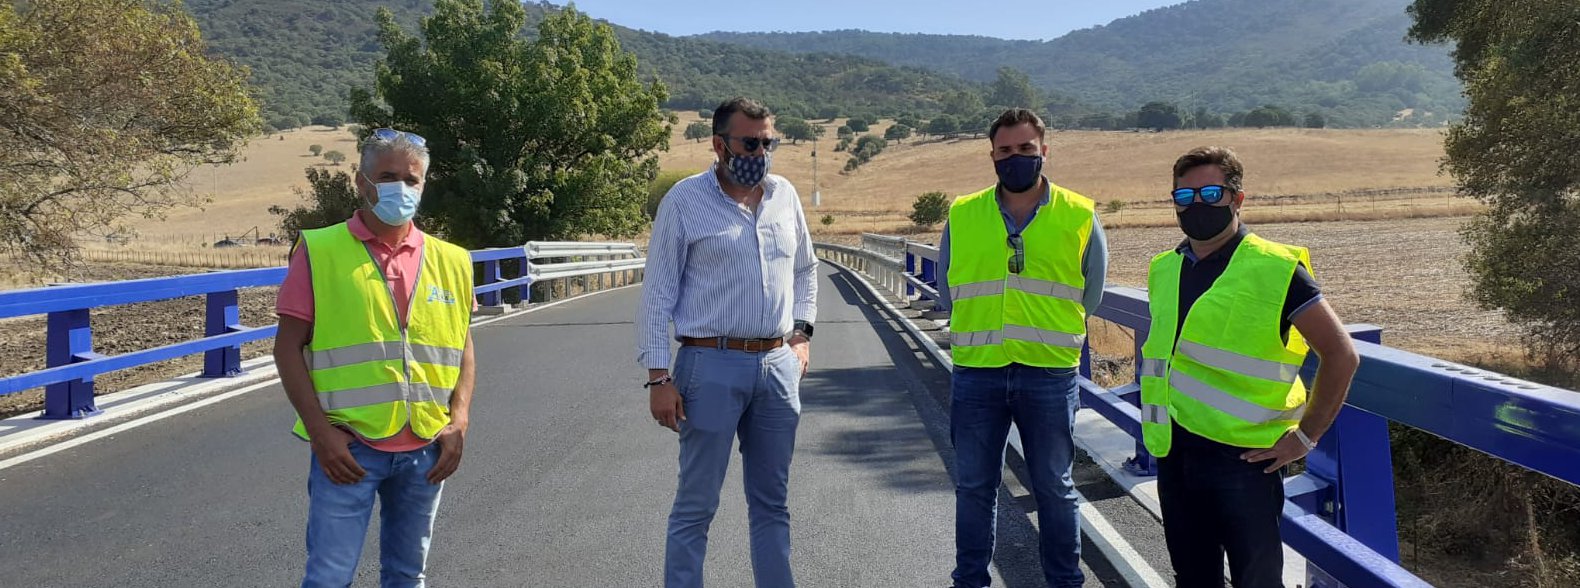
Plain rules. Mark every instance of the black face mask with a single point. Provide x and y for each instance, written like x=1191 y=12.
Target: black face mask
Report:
x=1202 y=221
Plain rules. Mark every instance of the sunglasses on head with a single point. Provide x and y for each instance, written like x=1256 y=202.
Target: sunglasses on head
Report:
x=388 y=134
x=753 y=143
x=1209 y=195
x=1017 y=262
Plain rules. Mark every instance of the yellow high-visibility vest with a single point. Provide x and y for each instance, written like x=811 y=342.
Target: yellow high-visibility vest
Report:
x=1230 y=377
x=370 y=374
x=1034 y=317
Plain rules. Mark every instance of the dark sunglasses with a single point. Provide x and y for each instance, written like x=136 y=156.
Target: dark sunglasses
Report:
x=1209 y=195
x=1017 y=262
x=753 y=143
x=387 y=134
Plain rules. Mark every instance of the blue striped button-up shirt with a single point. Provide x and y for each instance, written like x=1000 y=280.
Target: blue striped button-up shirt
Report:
x=717 y=269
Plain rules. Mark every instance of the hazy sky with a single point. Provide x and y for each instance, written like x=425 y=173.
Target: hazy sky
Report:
x=1032 y=19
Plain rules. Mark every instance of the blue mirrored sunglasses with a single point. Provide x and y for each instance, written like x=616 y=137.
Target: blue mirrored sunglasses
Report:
x=1209 y=195
x=388 y=134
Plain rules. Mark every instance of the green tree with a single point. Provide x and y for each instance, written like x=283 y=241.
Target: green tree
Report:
x=1514 y=150
x=794 y=129
x=851 y=165
x=1160 y=116
x=315 y=149
x=828 y=219
x=331 y=120
x=551 y=137
x=706 y=114
x=963 y=103
x=331 y=197
x=1012 y=89
x=945 y=125
x=698 y=131
x=105 y=106
x=868 y=147
x=897 y=132
x=845 y=131
x=908 y=121
x=1315 y=120
x=1270 y=116
x=335 y=157
x=858 y=124
x=844 y=143
x=930 y=209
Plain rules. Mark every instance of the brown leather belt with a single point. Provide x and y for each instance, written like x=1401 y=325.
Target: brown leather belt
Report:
x=747 y=345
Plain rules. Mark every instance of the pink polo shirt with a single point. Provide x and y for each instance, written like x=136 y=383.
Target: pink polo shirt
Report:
x=400 y=264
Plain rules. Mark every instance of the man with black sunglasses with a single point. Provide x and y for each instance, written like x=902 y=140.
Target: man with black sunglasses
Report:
x=1223 y=406
x=1022 y=264
x=730 y=266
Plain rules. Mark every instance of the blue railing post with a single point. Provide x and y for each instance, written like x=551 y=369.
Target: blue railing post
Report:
x=910 y=270
x=224 y=316
x=1355 y=459
x=489 y=276
x=1142 y=463
x=929 y=269
x=69 y=339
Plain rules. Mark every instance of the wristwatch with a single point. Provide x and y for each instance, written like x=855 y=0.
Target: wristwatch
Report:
x=1304 y=440
x=804 y=328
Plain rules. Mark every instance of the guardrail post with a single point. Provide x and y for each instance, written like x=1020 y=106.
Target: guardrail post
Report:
x=68 y=340
x=490 y=275
x=910 y=270
x=1142 y=463
x=224 y=316
x=1356 y=459
x=929 y=269
x=526 y=289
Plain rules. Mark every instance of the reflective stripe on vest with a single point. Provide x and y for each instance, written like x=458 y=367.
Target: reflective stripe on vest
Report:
x=1240 y=385
x=1033 y=317
x=381 y=351
x=380 y=394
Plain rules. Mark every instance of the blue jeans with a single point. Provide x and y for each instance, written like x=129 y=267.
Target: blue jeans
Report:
x=337 y=519
x=1041 y=402
x=755 y=396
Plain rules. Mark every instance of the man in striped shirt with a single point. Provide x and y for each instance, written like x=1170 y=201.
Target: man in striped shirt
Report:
x=730 y=264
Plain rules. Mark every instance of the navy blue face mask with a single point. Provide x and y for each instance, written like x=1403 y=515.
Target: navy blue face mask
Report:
x=1019 y=173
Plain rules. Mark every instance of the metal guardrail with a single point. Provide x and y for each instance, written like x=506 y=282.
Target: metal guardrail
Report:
x=72 y=363
x=1340 y=512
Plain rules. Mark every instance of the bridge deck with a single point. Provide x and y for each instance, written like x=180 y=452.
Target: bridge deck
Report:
x=566 y=480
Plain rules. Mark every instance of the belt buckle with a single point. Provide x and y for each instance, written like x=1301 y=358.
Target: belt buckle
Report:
x=747 y=345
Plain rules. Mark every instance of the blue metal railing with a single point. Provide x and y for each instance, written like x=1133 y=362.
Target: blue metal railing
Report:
x=72 y=363
x=1340 y=512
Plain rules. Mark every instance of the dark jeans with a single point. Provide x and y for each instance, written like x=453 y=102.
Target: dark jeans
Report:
x=1214 y=504
x=1041 y=402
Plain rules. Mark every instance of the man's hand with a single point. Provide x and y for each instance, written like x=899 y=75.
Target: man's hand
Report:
x=332 y=447
x=802 y=347
x=1287 y=450
x=668 y=408
x=451 y=440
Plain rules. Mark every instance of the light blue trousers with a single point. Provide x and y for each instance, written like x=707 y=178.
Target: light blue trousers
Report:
x=727 y=394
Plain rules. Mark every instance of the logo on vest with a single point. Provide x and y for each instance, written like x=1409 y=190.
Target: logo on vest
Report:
x=437 y=294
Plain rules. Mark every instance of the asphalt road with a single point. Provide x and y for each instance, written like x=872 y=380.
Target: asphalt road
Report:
x=566 y=480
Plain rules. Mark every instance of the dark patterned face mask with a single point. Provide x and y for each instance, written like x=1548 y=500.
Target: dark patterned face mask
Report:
x=749 y=170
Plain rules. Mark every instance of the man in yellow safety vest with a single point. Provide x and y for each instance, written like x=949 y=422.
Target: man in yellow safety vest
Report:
x=1022 y=264
x=1222 y=402
x=375 y=354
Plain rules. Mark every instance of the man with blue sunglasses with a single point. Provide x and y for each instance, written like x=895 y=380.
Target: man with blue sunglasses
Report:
x=1022 y=264
x=1223 y=405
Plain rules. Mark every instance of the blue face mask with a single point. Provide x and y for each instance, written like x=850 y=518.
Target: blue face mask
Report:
x=749 y=170
x=1019 y=173
x=397 y=202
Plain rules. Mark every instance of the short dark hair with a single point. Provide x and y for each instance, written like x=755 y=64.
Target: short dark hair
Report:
x=1017 y=116
x=1223 y=157
x=751 y=108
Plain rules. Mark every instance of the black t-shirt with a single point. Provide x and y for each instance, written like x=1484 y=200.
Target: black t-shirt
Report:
x=1197 y=277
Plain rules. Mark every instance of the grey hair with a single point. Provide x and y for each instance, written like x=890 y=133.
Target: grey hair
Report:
x=373 y=147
